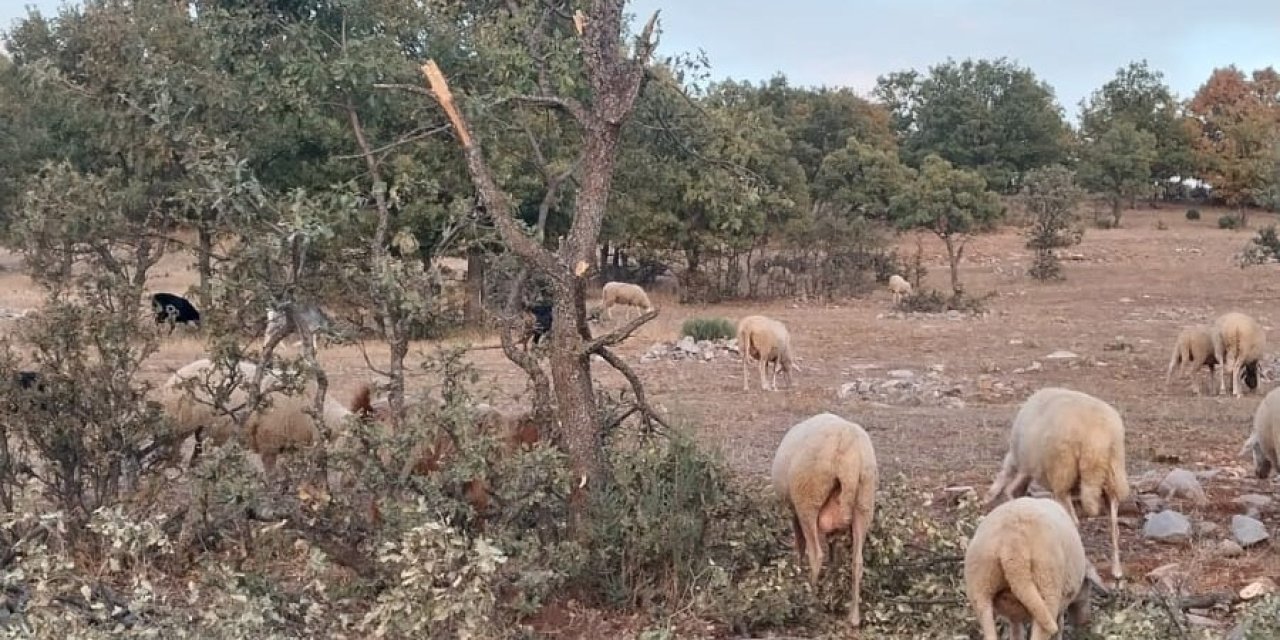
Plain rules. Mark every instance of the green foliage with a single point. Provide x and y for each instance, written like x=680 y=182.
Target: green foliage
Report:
x=991 y=116
x=1193 y=214
x=1230 y=221
x=1052 y=200
x=707 y=328
x=1118 y=164
x=1261 y=619
x=1264 y=247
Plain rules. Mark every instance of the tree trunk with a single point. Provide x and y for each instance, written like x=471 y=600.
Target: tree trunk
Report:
x=1117 y=209
x=204 y=265
x=953 y=257
x=473 y=309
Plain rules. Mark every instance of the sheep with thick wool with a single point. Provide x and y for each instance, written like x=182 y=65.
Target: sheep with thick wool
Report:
x=1192 y=350
x=1238 y=342
x=767 y=341
x=625 y=294
x=825 y=472
x=1026 y=563
x=283 y=422
x=1264 y=440
x=899 y=287
x=1068 y=442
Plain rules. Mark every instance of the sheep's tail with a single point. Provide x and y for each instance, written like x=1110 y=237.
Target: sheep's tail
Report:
x=1015 y=560
x=1174 y=360
x=362 y=401
x=1104 y=472
x=842 y=500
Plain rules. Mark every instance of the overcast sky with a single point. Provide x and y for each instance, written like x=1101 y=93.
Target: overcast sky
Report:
x=1075 y=45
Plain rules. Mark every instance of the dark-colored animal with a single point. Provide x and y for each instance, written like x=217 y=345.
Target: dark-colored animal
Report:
x=537 y=324
x=32 y=382
x=173 y=309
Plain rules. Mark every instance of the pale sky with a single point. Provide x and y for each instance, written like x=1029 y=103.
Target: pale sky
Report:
x=1074 y=45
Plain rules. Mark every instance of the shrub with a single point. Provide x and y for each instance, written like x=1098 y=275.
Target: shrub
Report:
x=1193 y=214
x=1052 y=198
x=1263 y=248
x=707 y=329
x=924 y=301
x=1161 y=225
x=1229 y=222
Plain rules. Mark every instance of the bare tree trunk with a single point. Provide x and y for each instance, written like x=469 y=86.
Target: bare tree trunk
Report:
x=954 y=252
x=473 y=310
x=1117 y=209
x=204 y=264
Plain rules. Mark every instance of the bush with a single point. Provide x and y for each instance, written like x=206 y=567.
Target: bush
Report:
x=1193 y=214
x=1229 y=222
x=707 y=329
x=1263 y=248
x=924 y=301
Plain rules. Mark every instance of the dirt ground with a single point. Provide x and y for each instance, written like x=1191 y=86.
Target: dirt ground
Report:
x=1140 y=282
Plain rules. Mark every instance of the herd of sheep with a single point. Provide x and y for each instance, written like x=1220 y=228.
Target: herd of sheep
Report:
x=1025 y=562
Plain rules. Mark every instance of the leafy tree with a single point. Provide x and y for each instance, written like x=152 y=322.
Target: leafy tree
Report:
x=1118 y=164
x=1139 y=96
x=952 y=203
x=862 y=179
x=1052 y=199
x=1239 y=125
x=988 y=115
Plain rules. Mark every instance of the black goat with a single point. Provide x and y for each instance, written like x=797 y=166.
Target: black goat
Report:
x=537 y=324
x=173 y=309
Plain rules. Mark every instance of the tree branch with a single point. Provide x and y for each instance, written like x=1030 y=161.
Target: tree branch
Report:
x=610 y=339
x=636 y=387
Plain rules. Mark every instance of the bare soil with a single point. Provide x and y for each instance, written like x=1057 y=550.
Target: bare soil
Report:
x=1139 y=282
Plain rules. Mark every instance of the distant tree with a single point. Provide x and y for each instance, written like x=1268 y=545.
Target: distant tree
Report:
x=1052 y=200
x=952 y=203
x=862 y=179
x=1239 y=126
x=988 y=115
x=1138 y=95
x=1118 y=164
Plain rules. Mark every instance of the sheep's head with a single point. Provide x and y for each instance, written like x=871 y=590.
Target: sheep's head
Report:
x=1261 y=464
x=1251 y=374
x=1078 y=612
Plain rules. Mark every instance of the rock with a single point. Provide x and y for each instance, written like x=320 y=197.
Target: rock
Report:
x=688 y=345
x=1248 y=531
x=1167 y=526
x=953 y=314
x=1061 y=355
x=1147 y=482
x=1167 y=575
x=1151 y=503
x=902 y=374
x=953 y=403
x=1202 y=621
x=1181 y=483
x=1207 y=529
x=1228 y=549
x=1034 y=366
x=847 y=390
x=1253 y=502
x=1258 y=588
x=937 y=368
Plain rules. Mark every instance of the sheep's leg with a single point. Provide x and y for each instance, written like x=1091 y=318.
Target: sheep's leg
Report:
x=985 y=611
x=799 y=531
x=1017 y=630
x=1237 y=372
x=815 y=545
x=858 y=530
x=746 y=369
x=1065 y=500
x=764 y=365
x=1117 y=571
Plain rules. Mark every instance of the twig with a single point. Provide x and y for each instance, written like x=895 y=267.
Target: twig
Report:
x=618 y=335
x=636 y=387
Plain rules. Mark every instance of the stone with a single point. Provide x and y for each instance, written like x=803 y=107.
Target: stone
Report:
x=1207 y=529
x=1254 y=502
x=1181 y=483
x=688 y=345
x=1228 y=549
x=1258 y=588
x=1167 y=526
x=847 y=390
x=902 y=374
x=1248 y=531
x=1061 y=355
x=1150 y=502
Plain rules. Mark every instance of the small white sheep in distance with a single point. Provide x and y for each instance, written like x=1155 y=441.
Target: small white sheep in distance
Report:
x=1192 y=350
x=768 y=341
x=825 y=472
x=899 y=287
x=1068 y=441
x=1238 y=342
x=1264 y=441
x=625 y=294
x=283 y=424
x=1026 y=563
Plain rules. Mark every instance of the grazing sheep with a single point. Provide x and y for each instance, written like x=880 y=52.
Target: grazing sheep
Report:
x=173 y=309
x=1025 y=562
x=283 y=424
x=1068 y=441
x=769 y=342
x=626 y=294
x=899 y=287
x=1192 y=350
x=1264 y=441
x=279 y=322
x=1238 y=342
x=825 y=472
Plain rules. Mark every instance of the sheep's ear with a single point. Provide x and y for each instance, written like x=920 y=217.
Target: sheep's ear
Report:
x=1092 y=578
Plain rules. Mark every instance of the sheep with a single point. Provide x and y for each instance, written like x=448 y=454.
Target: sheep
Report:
x=1026 y=563
x=1192 y=350
x=1068 y=441
x=899 y=287
x=1238 y=342
x=282 y=424
x=174 y=309
x=1264 y=441
x=768 y=341
x=825 y=472
x=280 y=323
x=626 y=294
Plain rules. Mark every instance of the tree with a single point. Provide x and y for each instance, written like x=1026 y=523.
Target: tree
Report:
x=988 y=115
x=1118 y=164
x=952 y=203
x=1139 y=96
x=1052 y=199
x=862 y=179
x=1238 y=121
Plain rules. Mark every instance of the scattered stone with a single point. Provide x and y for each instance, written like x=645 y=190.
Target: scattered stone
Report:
x=1248 y=531
x=1254 y=502
x=1167 y=526
x=1118 y=344
x=937 y=368
x=1229 y=549
x=1061 y=355
x=1258 y=588
x=1181 y=483
x=1151 y=503
x=688 y=345
x=1202 y=621
x=1034 y=366
x=1167 y=575
x=1207 y=529
x=1148 y=481
x=902 y=374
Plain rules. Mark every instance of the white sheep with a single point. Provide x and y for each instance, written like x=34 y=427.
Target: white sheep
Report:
x=825 y=472
x=1238 y=342
x=283 y=423
x=1264 y=441
x=1026 y=563
x=768 y=341
x=1069 y=442
x=899 y=287
x=626 y=294
x=279 y=323
x=1192 y=350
